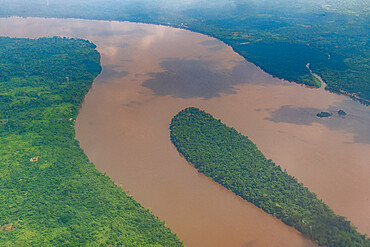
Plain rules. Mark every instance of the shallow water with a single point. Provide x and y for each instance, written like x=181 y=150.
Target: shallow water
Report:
x=151 y=72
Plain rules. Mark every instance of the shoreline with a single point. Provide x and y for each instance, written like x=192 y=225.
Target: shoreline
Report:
x=352 y=96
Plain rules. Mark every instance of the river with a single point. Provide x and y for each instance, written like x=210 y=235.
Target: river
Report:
x=151 y=72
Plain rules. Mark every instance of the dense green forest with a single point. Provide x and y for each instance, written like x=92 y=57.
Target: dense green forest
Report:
x=50 y=193
x=235 y=162
x=280 y=36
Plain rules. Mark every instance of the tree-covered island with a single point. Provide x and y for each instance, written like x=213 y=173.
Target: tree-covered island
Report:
x=235 y=162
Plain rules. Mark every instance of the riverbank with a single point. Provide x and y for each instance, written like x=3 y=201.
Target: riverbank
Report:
x=281 y=44
x=123 y=146
x=52 y=194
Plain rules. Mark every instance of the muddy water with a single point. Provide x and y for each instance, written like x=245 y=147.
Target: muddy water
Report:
x=152 y=72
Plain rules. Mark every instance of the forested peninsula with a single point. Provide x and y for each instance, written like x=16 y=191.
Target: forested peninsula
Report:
x=235 y=162
x=279 y=36
x=50 y=193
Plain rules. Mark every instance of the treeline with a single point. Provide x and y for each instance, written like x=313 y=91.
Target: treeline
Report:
x=50 y=193
x=235 y=162
x=268 y=57
x=280 y=36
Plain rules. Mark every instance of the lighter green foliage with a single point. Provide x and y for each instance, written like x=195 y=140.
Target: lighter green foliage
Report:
x=50 y=193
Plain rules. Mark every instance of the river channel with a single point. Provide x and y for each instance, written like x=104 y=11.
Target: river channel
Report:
x=151 y=72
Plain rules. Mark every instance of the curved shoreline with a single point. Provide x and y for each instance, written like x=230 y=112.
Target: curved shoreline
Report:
x=52 y=194
x=352 y=96
x=236 y=163
x=246 y=107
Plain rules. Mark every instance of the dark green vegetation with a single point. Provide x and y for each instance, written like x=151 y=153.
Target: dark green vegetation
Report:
x=232 y=160
x=323 y=114
x=342 y=113
x=279 y=36
x=50 y=194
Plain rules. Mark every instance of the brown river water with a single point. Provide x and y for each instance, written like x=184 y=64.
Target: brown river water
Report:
x=151 y=72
